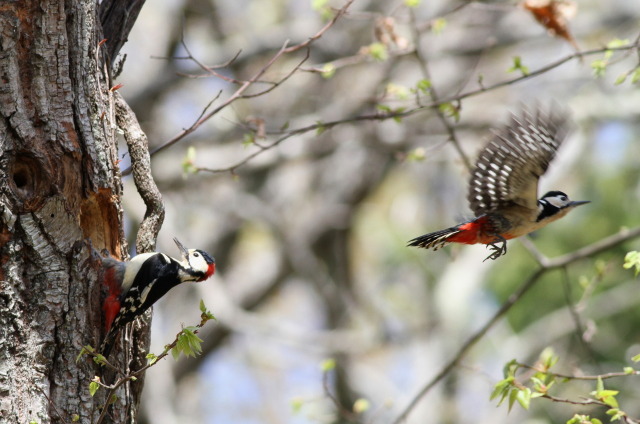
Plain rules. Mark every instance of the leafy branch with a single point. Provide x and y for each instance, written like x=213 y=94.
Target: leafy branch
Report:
x=529 y=387
x=442 y=105
x=545 y=265
x=186 y=342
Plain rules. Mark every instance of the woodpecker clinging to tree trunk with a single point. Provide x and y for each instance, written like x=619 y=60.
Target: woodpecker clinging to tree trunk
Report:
x=133 y=286
x=503 y=189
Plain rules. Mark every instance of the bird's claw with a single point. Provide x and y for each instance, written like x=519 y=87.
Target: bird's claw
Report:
x=497 y=250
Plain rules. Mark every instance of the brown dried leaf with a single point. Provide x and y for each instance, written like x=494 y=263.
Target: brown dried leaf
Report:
x=554 y=16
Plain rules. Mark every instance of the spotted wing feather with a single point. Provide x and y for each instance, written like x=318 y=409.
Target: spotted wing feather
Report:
x=434 y=240
x=509 y=167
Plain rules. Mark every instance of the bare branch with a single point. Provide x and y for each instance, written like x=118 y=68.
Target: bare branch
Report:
x=240 y=92
x=141 y=165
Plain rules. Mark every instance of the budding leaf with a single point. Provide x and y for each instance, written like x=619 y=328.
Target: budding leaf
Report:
x=93 y=388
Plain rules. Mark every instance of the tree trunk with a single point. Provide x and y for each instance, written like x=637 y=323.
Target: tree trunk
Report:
x=59 y=194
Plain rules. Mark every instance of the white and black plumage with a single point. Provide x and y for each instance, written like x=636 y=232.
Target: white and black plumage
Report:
x=503 y=188
x=133 y=286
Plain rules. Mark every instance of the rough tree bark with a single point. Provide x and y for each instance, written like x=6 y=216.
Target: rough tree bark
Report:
x=59 y=194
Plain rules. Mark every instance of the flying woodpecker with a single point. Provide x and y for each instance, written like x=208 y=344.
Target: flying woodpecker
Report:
x=133 y=286
x=503 y=188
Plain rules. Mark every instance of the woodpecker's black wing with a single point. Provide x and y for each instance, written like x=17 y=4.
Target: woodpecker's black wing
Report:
x=508 y=168
x=157 y=275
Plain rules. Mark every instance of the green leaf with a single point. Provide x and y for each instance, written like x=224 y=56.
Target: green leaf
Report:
x=518 y=66
x=417 y=155
x=328 y=365
x=93 y=388
x=513 y=396
x=248 y=139
x=450 y=110
x=99 y=359
x=361 y=405
x=548 y=358
x=577 y=419
x=328 y=70
x=152 y=358
x=206 y=314
x=636 y=358
x=75 y=418
x=84 y=351
x=616 y=414
x=635 y=76
x=320 y=127
x=188 y=162
x=621 y=78
x=322 y=7
x=510 y=368
x=398 y=91
x=582 y=419
x=617 y=43
x=599 y=67
x=629 y=370
x=317 y=5
x=632 y=260
x=524 y=397
x=540 y=386
x=175 y=352
x=378 y=51
x=502 y=389
x=606 y=396
x=424 y=85
x=438 y=25
x=398 y=110
x=296 y=404
x=188 y=343
x=412 y=3
x=113 y=399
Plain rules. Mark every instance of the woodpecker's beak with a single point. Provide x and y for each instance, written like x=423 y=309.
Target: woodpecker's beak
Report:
x=578 y=203
x=183 y=250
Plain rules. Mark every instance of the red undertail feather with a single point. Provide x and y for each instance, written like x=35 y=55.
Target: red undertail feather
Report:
x=111 y=305
x=471 y=232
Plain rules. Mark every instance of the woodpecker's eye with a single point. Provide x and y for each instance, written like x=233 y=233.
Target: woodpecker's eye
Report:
x=563 y=198
x=197 y=255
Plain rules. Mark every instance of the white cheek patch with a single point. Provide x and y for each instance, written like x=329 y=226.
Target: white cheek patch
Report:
x=556 y=201
x=198 y=263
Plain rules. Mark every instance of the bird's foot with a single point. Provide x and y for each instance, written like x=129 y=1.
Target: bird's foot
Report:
x=497 y=250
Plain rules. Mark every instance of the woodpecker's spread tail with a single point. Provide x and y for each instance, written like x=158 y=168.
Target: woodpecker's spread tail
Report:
x=435 y=240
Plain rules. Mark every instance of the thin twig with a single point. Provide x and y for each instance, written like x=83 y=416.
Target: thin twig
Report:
x=580 y=377
x=422 y=63
x=53 y=405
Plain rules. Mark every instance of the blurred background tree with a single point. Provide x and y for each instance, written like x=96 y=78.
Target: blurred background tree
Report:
x=304 y=142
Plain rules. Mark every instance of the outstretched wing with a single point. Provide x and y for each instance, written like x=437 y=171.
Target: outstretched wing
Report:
x=508 y=168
